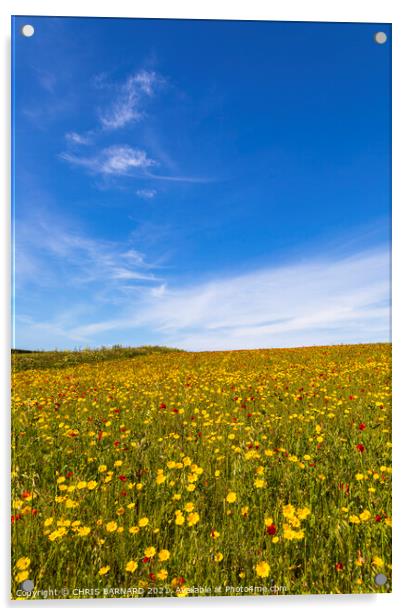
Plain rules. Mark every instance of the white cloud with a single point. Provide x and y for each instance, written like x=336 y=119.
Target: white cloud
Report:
x=116 y=160
x=65 y=254
x=146 y=193
x=127 y=107
x=77 y=138
x=316 y=302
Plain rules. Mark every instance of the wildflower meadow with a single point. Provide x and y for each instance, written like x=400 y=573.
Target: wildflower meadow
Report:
x=185 y=474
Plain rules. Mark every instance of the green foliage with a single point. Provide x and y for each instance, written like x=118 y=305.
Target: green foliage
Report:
x=43 y=360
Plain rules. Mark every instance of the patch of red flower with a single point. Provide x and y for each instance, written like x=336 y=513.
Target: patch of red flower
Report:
x=362 y=426
x=339 y=566
x=360 y=448
x=271 y=529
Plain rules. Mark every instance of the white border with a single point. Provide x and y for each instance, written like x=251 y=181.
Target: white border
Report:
x=280 y=10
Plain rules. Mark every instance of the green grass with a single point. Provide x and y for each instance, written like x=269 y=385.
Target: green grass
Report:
x=44 y=360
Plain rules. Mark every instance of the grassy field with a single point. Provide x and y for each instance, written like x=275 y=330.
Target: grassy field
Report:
x=168 y=471
x=35 y=360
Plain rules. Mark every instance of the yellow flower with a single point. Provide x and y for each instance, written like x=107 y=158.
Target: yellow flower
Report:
x=102 y=468
x=134 y=529
x=189 y=507
x=260 y=483
x=131 y=566
x=83 y=531
x=81 y=485
x=180 y=520
x=23 y=563
x=104 y=570
x=162 y=574
x=91 y=485
x=163 y=555
x=263 y=569
x=20 y=577
x=377 y=561
x=354 y=519
x=143 y=522
x=58 y=533
x=150 y=552
x=231 y=497
x=359 y=476
x=71 y=504
x=303 y=512
x=244 y=510
x=365 y=515
x=118 y=463
x=111 y=526
x=288 y=511
x=218 y=557
x=193 y=518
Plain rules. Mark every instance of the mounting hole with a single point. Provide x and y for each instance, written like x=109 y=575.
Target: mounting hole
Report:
x=380 y=579
x=380 y=38
x=27 y=30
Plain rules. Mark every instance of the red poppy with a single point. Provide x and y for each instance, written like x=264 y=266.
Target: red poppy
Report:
x=152 y=576
x=122 y=478
x=362 y=426
x=117 y=443
x=271 y=529
x=69 y=474
x=145 y=559
x=162 y=405
x=378 y=518
x=360 y=448
x=339 y=566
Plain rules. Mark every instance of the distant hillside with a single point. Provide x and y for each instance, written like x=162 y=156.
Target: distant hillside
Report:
x=37 y=360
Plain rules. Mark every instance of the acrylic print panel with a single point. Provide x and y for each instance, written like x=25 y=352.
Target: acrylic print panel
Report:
x=201 y=350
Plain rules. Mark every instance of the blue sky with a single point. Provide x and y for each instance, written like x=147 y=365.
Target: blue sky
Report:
x=201 y=184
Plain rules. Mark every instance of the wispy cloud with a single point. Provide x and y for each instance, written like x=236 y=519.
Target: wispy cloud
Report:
x=63 y=253
x=146 y=193
x=127 y=105
x=319 y=302
x=116 y=160
x=77 y=138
